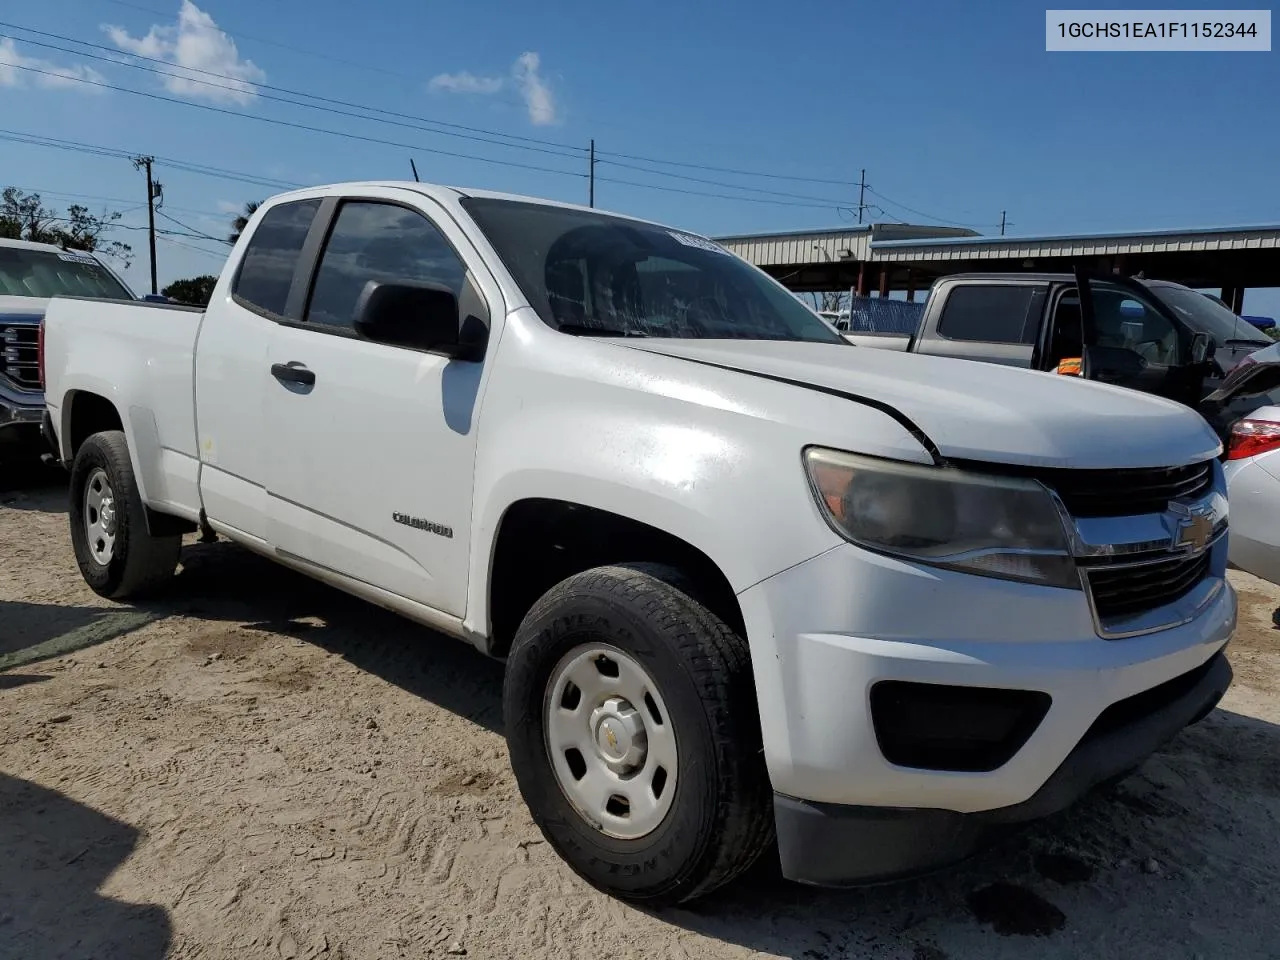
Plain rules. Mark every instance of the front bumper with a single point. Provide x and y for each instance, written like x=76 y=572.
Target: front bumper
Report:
x=21 y=413
x=837 y=845
x=827 y=631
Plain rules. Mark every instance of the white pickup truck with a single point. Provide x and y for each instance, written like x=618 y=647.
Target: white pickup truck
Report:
x=748 y=580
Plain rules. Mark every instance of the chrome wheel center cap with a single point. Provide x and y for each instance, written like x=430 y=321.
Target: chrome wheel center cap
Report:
x=619 y=735
x=107 y=510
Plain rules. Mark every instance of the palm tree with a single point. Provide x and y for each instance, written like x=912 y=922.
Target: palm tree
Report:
x=242 y=221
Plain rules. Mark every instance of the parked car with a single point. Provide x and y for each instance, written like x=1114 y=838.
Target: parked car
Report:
x=31 y=273
x=746 y=580
x=1246 y=410
x=1150 y=335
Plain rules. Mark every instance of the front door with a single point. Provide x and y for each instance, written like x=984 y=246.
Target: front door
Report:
x=373 y=445
x=1132 y=342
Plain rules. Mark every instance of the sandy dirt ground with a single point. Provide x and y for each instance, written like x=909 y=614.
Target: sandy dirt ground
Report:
x=259 y=766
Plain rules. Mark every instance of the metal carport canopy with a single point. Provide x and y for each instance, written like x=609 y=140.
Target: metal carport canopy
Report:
x=910 y=256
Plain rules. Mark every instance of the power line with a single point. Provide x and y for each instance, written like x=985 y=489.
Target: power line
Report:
x=272 y=43
x=275 y=121
x=59 y=195
x=194 y=231
x=74 y=146
x=477 y=134
x=927 y=216
x=167 y=238
x=240 y=35
x=551 y=148
x=392 y=143
x=239 y=86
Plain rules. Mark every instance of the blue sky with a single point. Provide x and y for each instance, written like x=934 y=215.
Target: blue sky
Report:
x=955 y=111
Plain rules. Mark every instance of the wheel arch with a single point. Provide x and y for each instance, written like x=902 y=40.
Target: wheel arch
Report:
x=539 y=541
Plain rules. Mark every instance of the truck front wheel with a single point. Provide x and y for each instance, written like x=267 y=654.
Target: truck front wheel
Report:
x=116 y=554
x=635 y=737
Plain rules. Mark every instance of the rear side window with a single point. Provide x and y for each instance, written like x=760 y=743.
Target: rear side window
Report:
x=266 y=273
x=995 y=314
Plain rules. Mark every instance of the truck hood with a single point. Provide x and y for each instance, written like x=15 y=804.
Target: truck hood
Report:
x=977 y=411
x=29 y=309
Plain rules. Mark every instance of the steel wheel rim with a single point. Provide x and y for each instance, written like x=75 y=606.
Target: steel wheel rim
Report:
x=100 y=516
x=610 y=741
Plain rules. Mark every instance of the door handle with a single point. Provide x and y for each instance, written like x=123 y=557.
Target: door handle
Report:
x=293 y=373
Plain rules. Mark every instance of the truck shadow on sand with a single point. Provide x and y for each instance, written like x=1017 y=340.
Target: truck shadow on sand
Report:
x=1177 y=860
x=221 y=581
x=55 y=854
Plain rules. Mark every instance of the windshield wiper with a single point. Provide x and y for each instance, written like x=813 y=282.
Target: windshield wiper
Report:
x=582 y=330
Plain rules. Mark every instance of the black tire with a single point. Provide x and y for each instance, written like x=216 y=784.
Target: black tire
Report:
x=721 y=818
x=139 y=562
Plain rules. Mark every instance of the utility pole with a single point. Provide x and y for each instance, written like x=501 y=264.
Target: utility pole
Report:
x=591 y=168
x=1002 y=222
x=862 y=190
x=153 y=191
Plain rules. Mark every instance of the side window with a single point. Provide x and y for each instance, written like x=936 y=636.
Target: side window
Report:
x=1126 y=322
x=378 y=241
x=266 y=273
x=995 y=314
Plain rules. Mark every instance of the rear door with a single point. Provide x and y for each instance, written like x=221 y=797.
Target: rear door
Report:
x=373 y=445
x=231 y=370
x=996 y=322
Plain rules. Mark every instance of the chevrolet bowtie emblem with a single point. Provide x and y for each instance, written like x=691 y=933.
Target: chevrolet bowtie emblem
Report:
x=1193 y=533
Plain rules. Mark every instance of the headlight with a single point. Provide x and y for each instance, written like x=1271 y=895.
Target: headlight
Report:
x=994 y=526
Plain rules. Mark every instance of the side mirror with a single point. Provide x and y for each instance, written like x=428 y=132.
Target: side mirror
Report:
x=1202 y=348
x=423 y=316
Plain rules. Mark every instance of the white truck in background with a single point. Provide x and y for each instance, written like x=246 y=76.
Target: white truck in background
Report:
x=748 y=580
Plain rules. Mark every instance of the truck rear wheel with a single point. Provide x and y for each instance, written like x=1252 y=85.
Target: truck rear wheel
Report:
x=635 y=736
x=116 y=554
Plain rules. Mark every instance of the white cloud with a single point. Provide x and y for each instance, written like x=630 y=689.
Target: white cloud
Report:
x=464 y=83
x=195 y=43
x=229 y=206
x=533 y=88
x=526 y=77
x=54 y=77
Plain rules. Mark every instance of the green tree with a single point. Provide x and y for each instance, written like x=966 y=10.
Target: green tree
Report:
x=195 y=290
x=242 y=220
x=23 y=216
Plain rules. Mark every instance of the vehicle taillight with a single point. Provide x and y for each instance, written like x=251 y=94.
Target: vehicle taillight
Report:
x=40 y=353
x=1252 y=437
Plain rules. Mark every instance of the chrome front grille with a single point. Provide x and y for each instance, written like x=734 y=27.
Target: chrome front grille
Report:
x=1120 y=493
x=19 y=360
x=1126 y=590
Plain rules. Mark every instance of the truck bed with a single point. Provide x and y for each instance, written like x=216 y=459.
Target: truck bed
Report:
x=149 y=349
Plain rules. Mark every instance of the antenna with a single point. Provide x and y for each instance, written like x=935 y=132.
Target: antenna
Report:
x=414 y=167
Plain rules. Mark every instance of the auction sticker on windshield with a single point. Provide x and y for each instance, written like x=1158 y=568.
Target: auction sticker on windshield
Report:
x=77 y=258
x=691 y=241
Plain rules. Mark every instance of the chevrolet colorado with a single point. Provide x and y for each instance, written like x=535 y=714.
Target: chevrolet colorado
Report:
x=749 y=581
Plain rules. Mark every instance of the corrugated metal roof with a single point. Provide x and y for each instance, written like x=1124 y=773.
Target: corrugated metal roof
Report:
x=1198 y=240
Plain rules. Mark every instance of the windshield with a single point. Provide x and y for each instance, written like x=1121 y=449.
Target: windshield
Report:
x=591 y=273
x=42 y=273
x=1204 y=315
